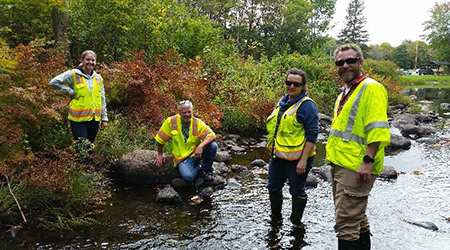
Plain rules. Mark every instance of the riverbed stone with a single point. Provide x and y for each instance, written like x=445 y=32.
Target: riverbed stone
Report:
x=261 y=144
x=410 y=130
x=220 y=168
x=399 y=106
x=137 y=167
x=233 y=137
x=404 y=120
x=258 y=163
x=427 y=118
x=325 y=120
x=227 y=144
x=233 y=183
x=428 y=140
x=238 y=168
x=237 y=149
x=444 y=106
x=319 y=172
x=180 y=183
x=311 y=181
x=388 y=172
x=222 y=156
x=168 y=195
x=206 y=192
x=399 y=142
x=218 y=182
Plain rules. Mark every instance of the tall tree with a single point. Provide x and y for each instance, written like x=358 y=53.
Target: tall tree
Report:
x=382 y=52
x=439 y=28
x=401 y=56
x=60 y=20
x=354 y=29
x=319 y=23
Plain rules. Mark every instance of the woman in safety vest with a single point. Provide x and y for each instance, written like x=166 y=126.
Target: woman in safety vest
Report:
x=88 y=105
x=293 y=127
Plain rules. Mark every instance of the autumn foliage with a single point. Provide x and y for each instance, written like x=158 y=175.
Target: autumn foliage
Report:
x=149 y=92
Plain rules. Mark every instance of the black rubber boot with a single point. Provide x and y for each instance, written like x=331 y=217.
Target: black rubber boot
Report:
x=364 y=241
x=348 y=245
x=276 y=202
x=298 y=207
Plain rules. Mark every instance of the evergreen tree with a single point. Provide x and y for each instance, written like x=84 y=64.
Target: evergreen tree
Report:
x=354 y=31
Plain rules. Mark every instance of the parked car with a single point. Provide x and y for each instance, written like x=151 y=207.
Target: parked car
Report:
x=406 y=72
x=424 y=71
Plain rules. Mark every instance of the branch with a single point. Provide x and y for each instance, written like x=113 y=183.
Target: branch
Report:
x=17 y=202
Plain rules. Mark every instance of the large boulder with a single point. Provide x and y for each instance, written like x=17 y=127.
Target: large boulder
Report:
x=414 y=131
x=138 y=167
x=399 y=142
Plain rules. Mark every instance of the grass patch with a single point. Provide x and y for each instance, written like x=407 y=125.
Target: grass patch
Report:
x=424 y=81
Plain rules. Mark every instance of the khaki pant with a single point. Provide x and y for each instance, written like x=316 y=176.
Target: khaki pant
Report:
x=350 y=203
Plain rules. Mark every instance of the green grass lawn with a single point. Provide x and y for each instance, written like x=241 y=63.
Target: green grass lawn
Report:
x=425 y=81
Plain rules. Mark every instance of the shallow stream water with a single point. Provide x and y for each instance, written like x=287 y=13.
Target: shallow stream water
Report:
x=238 y=218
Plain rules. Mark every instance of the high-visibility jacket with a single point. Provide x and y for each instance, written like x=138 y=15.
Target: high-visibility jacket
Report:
x=172 y=129
x=362 y=120
x=290 y=138
x=87 y=104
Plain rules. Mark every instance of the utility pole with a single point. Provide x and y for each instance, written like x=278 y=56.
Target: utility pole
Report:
x=417 y=52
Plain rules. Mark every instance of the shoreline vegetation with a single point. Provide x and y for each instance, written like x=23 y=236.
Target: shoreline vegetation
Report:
x=424 y=81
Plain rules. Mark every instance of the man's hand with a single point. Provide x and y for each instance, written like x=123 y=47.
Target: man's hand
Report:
x=301 y=167
x=364 y=172
x=198 y=152
x=159 y=160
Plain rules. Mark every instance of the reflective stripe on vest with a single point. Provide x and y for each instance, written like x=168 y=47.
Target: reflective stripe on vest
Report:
x=174 y=126
x=93 y=108
x=347 y=135
x=284 y=151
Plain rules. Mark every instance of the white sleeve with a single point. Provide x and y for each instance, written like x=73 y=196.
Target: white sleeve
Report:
x=59 y=82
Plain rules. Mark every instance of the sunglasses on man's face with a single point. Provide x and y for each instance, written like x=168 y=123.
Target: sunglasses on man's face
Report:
x=296 y=84
x=348 y=61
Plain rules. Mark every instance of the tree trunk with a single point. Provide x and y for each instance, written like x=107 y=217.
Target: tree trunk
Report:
x=60 y=21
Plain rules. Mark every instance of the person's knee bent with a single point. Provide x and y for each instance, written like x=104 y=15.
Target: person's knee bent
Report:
x=188 y=177
x=212 y=147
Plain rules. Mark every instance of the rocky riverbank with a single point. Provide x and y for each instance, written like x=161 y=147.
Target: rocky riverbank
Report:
x=137 y=168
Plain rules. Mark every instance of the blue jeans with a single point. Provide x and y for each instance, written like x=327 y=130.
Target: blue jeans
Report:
x=84 y=130
x=190 y=166
x=280 y=170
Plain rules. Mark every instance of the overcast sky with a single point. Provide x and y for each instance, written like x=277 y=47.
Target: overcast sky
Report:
x=389 y=21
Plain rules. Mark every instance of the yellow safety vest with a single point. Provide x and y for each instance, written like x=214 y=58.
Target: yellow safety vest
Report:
x=86 y=105
x=362 y=120
x=181 y=149
x=289 y=141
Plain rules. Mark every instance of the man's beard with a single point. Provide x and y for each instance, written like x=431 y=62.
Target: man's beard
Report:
x=348 y=75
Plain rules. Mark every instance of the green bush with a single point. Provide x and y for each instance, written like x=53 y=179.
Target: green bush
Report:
x=120 y=137
x=415 y=109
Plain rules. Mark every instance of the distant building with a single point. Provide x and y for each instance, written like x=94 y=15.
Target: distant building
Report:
x=437 y=66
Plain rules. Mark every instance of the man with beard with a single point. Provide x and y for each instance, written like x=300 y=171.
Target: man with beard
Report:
x=355 y=148
x=193 y=144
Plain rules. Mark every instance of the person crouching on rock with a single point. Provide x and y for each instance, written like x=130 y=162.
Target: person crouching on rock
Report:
x=193 y=144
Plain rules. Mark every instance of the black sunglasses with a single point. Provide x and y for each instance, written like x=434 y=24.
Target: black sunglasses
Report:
x=296 y=84
x=348 y=61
